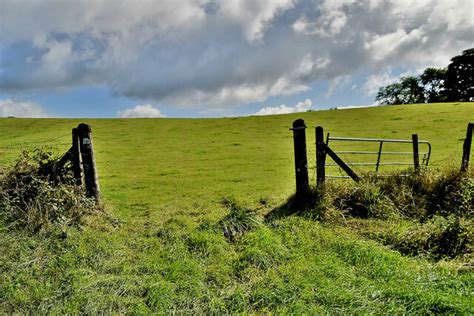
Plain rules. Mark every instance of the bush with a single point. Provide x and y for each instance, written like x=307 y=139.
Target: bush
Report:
x=33 y=200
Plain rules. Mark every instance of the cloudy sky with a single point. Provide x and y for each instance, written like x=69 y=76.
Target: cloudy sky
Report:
x=206 y=58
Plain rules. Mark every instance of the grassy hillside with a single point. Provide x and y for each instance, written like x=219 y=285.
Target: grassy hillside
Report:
x=163 y=181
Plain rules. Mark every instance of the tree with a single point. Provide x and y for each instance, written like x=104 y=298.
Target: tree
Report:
x=408 y=90
x=389 y=94
x=434 y=85
x=460 y=77
x=433 y=80
x=412 y=90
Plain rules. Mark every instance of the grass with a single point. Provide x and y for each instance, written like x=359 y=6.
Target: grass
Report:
x=164 y=248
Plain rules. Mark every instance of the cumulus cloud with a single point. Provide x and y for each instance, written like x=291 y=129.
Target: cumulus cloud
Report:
x=376 y=80
x=220 y=53
x=302 y=106
x=146 y=110
x=356 y=106
x=371 y=86
x=10 y=107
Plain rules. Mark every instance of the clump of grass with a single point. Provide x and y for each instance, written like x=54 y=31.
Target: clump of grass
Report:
x=419 y=196
x=451 y=193
x=238 y=221
x=34 y=200
x=364 y=200
x=439 y=206
x=260 y=249
x=439 y=237
x=408 y=194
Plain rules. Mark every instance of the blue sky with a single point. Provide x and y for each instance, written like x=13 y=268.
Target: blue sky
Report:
x=206 y=58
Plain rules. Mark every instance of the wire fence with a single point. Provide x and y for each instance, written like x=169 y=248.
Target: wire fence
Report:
x=10 y=152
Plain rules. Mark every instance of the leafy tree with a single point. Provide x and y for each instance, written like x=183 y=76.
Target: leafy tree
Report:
x=434 y=85
x=389 y=94
x=460 y=77
x=412 y=90
x=433 y=80
x=408 y=90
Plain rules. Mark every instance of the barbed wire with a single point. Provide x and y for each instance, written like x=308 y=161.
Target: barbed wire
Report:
x=36 y=143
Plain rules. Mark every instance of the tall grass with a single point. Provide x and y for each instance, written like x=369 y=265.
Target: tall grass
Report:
x=439 y=205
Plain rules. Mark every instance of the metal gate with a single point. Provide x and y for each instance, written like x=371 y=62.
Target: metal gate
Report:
x=378 y=162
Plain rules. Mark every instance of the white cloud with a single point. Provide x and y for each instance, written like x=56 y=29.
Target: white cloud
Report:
x=253 y=15
x=302 y=106
x=356 y=106
x=10 y=107
x=330 y=22
x=377 y=80
x=371 y=86
x=216 y=54
x=146 y=110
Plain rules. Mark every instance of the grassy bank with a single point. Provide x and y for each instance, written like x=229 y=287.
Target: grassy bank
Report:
x=163 y=248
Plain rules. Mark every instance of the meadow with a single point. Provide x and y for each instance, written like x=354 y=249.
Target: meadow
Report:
x=161 y=247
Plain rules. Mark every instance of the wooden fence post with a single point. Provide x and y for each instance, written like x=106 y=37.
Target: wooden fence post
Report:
x=466 y=148
x=91 y=177
x=320 y=157
x=301 y=162
x=76 y=158
x=416 y=152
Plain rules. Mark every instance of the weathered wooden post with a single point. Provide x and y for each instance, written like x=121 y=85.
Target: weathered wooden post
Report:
x=466 y=148
x=301 y=162
x=91 y=177
x=320 y=157
x=416 y=153
x=76 y=158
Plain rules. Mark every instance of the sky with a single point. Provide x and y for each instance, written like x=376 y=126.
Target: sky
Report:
x=209 y=58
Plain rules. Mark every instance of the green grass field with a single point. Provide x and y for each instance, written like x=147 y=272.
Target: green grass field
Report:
x=163 y=181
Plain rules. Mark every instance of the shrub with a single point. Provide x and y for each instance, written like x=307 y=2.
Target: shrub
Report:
x=32 y=199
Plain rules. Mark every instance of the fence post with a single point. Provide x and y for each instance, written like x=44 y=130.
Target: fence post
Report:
x=466 y=148
x=76 y=158
x=320 y=157
x=91 y=177
x=416 y=155
x=301 y=162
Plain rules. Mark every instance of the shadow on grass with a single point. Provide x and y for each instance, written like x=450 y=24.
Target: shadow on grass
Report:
x=310 y=204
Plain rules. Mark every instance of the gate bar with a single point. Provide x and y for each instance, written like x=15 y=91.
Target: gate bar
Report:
x=378 y=156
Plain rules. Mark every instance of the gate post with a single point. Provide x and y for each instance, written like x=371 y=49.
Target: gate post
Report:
x=320 y=157
x=76 y=158
x=416 y=155
x=301 y=162
x=466 y=148
x=88 y=161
